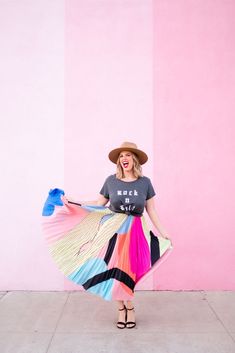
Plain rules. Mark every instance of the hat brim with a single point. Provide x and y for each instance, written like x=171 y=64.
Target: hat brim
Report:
x=113 y=155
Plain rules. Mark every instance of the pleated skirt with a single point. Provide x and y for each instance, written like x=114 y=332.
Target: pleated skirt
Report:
x=106 y=252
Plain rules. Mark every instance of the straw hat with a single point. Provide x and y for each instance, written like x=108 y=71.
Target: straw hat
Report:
x=128 y=146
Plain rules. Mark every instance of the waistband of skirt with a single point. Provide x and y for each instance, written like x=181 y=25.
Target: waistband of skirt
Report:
x=131 y=213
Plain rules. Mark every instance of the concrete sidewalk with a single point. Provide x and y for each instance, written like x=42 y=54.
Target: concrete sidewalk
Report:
x=74 y=322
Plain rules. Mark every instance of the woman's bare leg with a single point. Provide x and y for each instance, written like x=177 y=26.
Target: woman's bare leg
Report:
x=130 y=313
x=120 y=304
x=121 y=313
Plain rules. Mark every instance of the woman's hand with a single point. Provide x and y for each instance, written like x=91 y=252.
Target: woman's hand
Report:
x=166 y=236
x=65 y=200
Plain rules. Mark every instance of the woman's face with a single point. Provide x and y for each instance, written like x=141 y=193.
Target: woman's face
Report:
x=126 y=160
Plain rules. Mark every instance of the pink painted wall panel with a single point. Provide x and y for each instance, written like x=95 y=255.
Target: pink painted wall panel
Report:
x=108 y=89
x=31 y=138
x=194 y=145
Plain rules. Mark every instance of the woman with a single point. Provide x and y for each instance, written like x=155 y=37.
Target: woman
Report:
x=113 y=246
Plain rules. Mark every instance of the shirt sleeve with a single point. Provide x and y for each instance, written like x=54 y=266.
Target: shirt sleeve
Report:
x=150 y=192
x=105 y=190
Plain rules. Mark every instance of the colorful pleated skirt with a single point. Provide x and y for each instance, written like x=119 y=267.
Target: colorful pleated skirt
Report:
x=106 y=252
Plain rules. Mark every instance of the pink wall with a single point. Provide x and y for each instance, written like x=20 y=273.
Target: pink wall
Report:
x=31 y=137
x=194 y=145
x=108 y=87
x=82 y=76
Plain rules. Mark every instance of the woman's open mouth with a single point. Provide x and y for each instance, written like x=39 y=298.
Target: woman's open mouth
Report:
x=125 y=164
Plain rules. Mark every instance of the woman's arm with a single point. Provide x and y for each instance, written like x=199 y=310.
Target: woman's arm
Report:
x=151 y=210
x=101 y=201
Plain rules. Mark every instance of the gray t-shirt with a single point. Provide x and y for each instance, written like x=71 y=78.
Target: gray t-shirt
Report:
x=127 y=196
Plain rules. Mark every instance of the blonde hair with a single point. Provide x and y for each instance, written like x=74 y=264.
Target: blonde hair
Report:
x=137 y=168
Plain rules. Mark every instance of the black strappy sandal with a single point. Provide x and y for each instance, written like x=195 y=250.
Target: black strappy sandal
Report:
x=130 y=322
x=121 y=322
